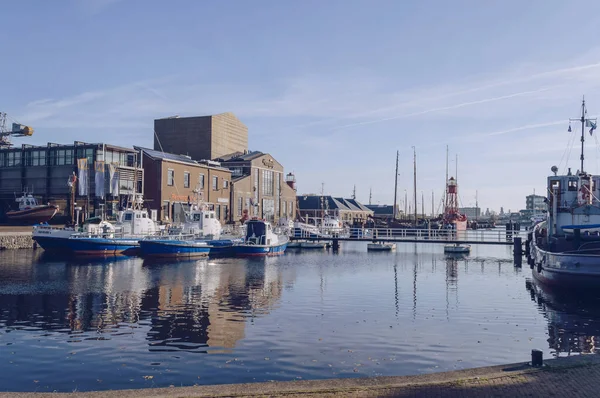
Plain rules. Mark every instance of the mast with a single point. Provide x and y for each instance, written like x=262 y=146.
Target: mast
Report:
x=583 y=120
x=370 y=194
x=395 y=209
x=415 y=181
x=446 y=181
x=432 y=200
x=405 y=203
x=422 y=204
x=477 y=206
x=354 y=192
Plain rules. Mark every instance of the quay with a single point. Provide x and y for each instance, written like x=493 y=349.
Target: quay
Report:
x=574 y=375
x=12 y=237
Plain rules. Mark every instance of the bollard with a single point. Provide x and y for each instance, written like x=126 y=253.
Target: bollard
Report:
x=336 y=245
x=517 y=251
x=537 y=358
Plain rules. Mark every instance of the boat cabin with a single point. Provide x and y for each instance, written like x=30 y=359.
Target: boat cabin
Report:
x=202 y=222
x=27 y=201
x=136 y=222
x=573 y=200
x=259 y=232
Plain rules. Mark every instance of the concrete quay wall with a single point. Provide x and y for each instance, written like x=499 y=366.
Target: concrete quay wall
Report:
x=16 y=240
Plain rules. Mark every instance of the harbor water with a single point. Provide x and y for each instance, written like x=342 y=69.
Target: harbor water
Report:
x=98 y=324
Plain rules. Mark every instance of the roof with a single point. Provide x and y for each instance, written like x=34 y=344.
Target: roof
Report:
x=381 y=209
x=313 y=202
x=240 y=156
x=167 y=156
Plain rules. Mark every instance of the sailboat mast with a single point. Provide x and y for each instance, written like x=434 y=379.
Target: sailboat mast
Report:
x=415 y=181
x=432 y=201
x=422 y=204
x=476 y=207
x=395 y=210
x=582 y=130
x=446 y=181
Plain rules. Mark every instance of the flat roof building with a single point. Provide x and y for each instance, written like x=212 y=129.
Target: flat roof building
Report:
x=44 y=171
x=201 y=137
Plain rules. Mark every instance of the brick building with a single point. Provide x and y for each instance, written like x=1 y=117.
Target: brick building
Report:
x=259 y=187
x=172 y=182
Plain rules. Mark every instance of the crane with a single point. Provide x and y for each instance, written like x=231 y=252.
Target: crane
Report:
x=18 y=130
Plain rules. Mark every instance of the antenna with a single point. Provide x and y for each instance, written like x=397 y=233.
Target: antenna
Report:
x=590 y=123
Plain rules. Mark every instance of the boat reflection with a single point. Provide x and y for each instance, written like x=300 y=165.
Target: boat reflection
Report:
x=201 y=306
x=573 y=318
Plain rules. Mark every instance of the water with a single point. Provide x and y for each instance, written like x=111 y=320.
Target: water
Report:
x=110 y=324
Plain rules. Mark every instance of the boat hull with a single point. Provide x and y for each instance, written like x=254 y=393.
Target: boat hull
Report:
x=173 y=248
x=32 y=216
x=94 y=246
x=245 y=250
x=565 y=269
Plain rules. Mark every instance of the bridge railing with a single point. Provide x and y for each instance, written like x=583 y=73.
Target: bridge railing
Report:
x=390 y=234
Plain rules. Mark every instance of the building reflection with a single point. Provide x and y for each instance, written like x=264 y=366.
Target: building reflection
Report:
x=573 y=318
x=192 y=305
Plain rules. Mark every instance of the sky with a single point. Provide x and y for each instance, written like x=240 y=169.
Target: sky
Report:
x=331 y=89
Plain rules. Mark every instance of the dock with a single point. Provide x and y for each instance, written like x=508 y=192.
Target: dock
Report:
x=567 y=376
x=15 y=237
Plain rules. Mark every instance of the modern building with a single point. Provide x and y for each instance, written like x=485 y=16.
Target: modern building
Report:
x=44 y=171
x=319 y=206
x=472 y=213
x=201 y=137
x=259 y=188
x=173 y=182
x=535 y=202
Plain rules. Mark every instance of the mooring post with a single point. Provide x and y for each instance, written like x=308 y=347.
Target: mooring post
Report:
x=517 y=251
x=537 y=358
x=336 y=245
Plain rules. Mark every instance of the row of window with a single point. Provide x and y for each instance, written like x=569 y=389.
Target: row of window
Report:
x=287 y=208
x=61 y=157
x=187 y=180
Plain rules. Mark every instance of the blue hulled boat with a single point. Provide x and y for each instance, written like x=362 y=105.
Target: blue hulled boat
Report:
x=260 y=240
x=173 y=247
x=99 y=245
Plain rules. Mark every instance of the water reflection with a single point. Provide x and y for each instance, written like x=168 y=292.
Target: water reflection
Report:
x=189 y=305
x=573 y=318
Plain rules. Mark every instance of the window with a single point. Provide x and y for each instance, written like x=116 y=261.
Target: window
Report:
x=170 y=177
x=218 y=211
x=237 y=171
x=284 y=208
x=186 y=179
x=201 y=181
x=225 y=184
x=215 y=183
x=35 y=158
x=240 y=204
x=267 y=182
x=13 y=159
x=128 y=217
x=225 y=212
x=572 y=185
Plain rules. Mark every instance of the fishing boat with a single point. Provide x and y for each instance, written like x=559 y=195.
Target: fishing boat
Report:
x=565 y=249
x=381 y=246
x=102 y=237
x=457 y=249
x=30 y=212
x=260 y=240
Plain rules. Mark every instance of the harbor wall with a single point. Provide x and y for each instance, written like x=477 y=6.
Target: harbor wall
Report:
x=16 y=240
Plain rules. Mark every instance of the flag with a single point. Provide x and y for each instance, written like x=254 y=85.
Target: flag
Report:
x=99 y=178
x=113 y=173
x=82 y=167
x=592 y=126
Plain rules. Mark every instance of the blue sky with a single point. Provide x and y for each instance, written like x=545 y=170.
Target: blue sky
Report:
x=330 y=88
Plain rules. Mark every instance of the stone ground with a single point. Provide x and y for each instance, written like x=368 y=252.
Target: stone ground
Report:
x=11 y=229
x=577 y=376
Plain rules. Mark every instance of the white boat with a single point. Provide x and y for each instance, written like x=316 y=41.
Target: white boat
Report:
x=381 y=246
x=565 y=249
x=30 y=212
x=313 y=245
x=260 y=240
x=457 y=248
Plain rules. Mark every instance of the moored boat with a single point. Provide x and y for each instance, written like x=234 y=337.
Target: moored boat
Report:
x=457 y=249
x=30 y=212
x=381 y=246
x=260 y=240
x=565 y=249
